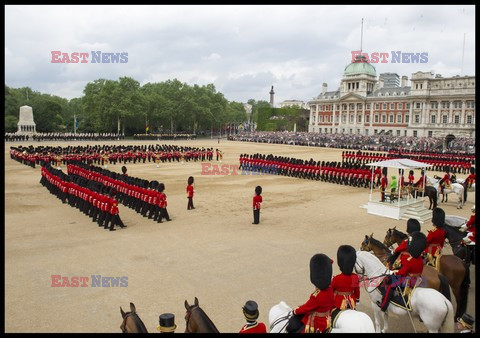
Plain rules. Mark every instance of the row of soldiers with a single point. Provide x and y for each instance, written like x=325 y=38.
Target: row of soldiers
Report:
x=112 y=154
x=147 y=198
x=352 y=174
x=94 y=200
x=164 y=136
x=13 y=137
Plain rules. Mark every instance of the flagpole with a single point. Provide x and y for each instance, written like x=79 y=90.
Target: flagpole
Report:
x=74 y=124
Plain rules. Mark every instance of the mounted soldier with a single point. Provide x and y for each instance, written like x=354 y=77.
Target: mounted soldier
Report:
x=345 y=285
x=413 y=225
x=408 y=276
x=436 y=237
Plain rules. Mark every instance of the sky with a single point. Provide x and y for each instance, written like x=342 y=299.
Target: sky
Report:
x=242 y=50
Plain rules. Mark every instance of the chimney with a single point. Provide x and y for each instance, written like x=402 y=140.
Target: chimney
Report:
x=324 y=88
x=404 y=81
x=380 y=83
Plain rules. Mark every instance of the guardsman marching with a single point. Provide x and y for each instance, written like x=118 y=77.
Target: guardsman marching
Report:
x=413 y=225
x=471 y=178
x=346 y=289
x=251 y=313
x=257 y=200
x=190 y=192
x=315 y=313
x=436 y=237
x=409 y=274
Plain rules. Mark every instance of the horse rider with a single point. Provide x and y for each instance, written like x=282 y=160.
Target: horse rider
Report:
x=408 y=275
x=471 y=178
x=167 y=323
x=445 y=181
x=413 y=225
x=315 y=313
x=250 y=311
x=346 y=285
x=465 y=324
x=435 y=237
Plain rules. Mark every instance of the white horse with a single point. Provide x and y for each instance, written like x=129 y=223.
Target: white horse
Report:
x=348 y=321
x=462 y=182
x=457 y=188
x=433 y=308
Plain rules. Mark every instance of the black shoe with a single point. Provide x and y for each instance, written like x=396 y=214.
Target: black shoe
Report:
x=112 y=229
x=168 y=220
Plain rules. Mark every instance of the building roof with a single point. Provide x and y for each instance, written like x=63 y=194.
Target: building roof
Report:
x=360 y=66
x=391 y=91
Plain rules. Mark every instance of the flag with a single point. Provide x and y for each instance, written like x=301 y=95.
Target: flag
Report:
x=146 y=129
x=76 y=122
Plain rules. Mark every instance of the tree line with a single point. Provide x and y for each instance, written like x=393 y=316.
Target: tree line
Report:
x=111 y=106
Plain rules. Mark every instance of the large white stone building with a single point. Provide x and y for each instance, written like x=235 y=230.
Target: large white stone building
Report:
x=431 y=106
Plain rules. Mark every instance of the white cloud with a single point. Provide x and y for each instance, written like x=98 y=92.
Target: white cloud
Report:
x=243 y=50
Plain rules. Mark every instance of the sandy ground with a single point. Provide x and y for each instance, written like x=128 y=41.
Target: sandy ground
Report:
x=213 y=253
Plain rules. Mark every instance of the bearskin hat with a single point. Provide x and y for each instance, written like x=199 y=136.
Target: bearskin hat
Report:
x=124 y=169
x=385 y=171
x=413 y=225
x=321 y=271
x=447 y=169
x=161 y=187
x=410 y=172
x=438 y=217
x=258 y=190
x=346 y=258
x=472 y=170
x=190 y=180
x=417 y=244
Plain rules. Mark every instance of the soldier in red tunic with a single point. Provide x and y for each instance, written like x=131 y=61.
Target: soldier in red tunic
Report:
x=162 y=204
x=315 y=313
x=471 y=178
x=384 y=183
x=250 y=311
x=412 y=267
x=413 y=225
x=445 y=181
x=436 y=237
x=257 y=199
x=190 y=193
x=346 y=289
x=470 y=238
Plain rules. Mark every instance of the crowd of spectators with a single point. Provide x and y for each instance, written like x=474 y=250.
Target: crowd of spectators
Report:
x=358 y=142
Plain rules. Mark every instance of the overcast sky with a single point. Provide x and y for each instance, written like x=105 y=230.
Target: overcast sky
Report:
x=242 y=50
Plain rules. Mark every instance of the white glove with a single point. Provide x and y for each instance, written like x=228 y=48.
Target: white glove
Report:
x=467 y=240
x=463 y=227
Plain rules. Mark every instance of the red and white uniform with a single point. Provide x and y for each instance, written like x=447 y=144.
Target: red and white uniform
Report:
x=254 y=328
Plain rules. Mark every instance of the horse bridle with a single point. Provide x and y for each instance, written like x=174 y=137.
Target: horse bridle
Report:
x=363 y=279
x=188 y=314
x=278 y=320
x=122 y=327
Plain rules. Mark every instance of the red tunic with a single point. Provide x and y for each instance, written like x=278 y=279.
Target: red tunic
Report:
x=411 y=267
x=254 y=328
x=471 y=228
x=190 y=190
x=257 y=199
x=316 y=310
x=342 y=284
x=435 y=241
x=402 y=247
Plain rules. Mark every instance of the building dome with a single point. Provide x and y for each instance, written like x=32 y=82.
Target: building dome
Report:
x=360 y=66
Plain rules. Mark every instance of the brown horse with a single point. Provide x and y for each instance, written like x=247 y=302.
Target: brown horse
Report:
x=451 y=266
x=197 y=320
x=132 y=322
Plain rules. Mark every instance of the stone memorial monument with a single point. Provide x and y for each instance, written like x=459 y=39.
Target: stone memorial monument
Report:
x=25 y=121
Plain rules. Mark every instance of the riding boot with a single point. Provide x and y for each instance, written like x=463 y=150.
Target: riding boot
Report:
x=386 y=299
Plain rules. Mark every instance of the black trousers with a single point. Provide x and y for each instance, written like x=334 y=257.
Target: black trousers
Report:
x=190 y=203
x=256 y=216
x=163 y=214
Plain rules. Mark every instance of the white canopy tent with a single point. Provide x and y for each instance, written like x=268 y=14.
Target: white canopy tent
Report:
x=400 y=163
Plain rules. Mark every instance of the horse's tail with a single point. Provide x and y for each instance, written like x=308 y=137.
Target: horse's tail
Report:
x=463 y=297
x=444 y=286
x=448 y=325
x=435 y=198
